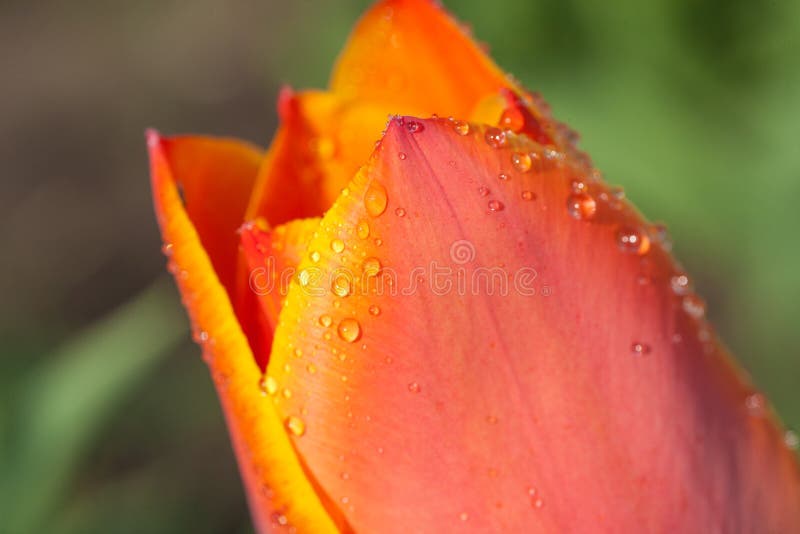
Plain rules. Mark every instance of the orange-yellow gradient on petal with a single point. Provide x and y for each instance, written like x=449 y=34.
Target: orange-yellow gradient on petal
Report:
x=459 y=328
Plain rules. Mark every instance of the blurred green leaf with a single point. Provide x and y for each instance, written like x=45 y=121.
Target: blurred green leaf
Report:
x=61 y=406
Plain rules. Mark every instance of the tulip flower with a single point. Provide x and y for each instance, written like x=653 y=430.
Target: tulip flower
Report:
x=461 y=327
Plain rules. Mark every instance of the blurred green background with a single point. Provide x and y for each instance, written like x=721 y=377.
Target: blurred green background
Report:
x=108 y=420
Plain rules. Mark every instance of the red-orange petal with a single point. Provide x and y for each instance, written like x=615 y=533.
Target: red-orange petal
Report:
x=272 y=259
x=411 y=55
x=588 y=396
x=215 y=177
x=280 y=494
x=322 y=141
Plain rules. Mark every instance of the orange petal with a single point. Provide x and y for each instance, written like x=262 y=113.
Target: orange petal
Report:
x=278 y=490
x=511 y=349
x=272 y=258
x=411 y=55
x=321 y=143
x=216 y=177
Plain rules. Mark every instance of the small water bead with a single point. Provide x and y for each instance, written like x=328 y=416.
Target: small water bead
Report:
x=371 y=266
x=463 y=516
x=521 y=161
x=414 y=127
x=483 y=191
x=325 y=320
x=402 y=155
x=632 y=241
x=680 y=283
x=400 y=212
x=287 y=393
x=337 y=245
x=362 y=230
x=660 y=233
x=311 y=368
x=461 y=128
x=166 y=249
x=495 y=137
x=694 y=306
x=341 y=285
x=755 y=403
x=791 y=439
x=413 y=387
x=375 y=199
x=349 y=330
x=268 y=385
x=314 y=255
x=512 y=119
x=640 y=349
x=295 y=425
x=528 y=195
x=304 y=277
x=495 y=205
x=503 y=177
x=581 y=206
x=374 y=310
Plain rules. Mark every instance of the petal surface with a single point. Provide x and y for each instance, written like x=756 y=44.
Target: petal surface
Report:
x=216 y=178
x=494 y=342
x=272 y=258
x=322 y=141
x=280 y=495
x=411 y=55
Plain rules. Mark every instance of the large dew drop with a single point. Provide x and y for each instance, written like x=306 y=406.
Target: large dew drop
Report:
x=349 y=330
x=375 y=199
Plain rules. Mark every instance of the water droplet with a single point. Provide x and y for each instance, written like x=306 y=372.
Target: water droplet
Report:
x=400 y=212
x=660 y=233
x=640 y=349
x=495 y=137
x=295 y=425
x=791 y=439
x=325 y=320
x=349 y=330
x=362 y=230
x=304 y=277
x=521 y=161
x=495 y=205
x=463 y=516
x=483 y=191
x=314 y=255
x=680 y=283
x=378 y=242
x=414 y=127
x=311 y=368
x=287 y=393
x=512 y=119
x=694 y=305
x=337 y=245
x=413 y=387
x=374 y=310
x=461 y=128
x=402 y=155
x=755 y=403
x=166 y=249
x=341 y=285
x=528 y=195
x=371 y=266
x=375 y=199
x=581 y=206
x=344 y=475
x=503 y=177
x=268 y=385
x=538 y=503
x=632 y=241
